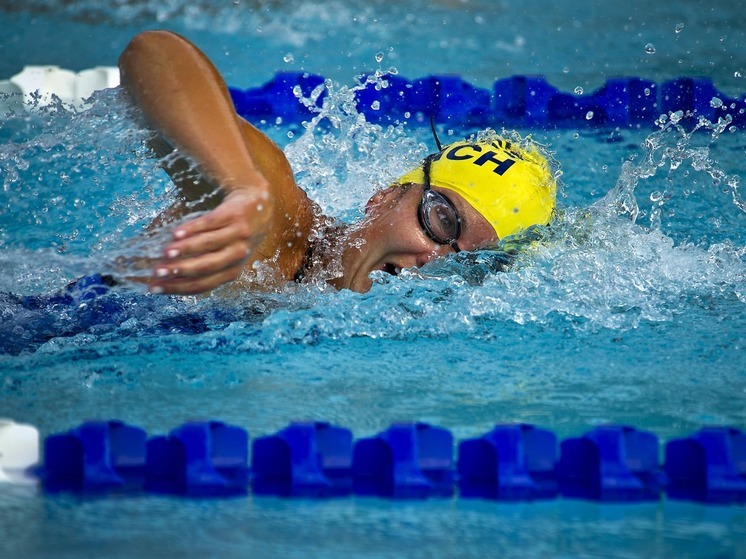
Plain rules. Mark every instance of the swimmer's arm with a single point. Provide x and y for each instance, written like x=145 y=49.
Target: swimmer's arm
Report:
x=182 y=95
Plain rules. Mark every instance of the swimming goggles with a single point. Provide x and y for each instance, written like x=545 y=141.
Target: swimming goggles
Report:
x=438 y=216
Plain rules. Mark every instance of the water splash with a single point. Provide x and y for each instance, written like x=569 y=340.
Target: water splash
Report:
x=681 y=139
x=341 y=159
x=74 y=185
x=598 y=266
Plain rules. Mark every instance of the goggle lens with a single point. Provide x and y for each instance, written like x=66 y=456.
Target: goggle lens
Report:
x=439 y=218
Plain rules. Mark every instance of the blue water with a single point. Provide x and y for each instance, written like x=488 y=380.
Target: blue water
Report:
x=632 y=311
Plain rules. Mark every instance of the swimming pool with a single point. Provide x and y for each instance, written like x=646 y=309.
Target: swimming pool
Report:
x=611 y=321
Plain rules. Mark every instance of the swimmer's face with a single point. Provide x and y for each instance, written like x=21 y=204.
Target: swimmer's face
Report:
x=391 y=238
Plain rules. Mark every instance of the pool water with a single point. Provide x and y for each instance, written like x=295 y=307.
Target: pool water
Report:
x=631 y=311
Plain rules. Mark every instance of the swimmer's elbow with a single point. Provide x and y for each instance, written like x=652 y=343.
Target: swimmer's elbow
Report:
x=146 y=47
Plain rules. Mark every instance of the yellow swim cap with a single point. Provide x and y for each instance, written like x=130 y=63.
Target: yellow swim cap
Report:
x=512 y=187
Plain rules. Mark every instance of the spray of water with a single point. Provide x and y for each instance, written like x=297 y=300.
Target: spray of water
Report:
x=341 y=159
x=79 y=189
x=75 y=187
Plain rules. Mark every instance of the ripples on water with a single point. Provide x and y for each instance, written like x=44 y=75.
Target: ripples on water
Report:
x=77 y=188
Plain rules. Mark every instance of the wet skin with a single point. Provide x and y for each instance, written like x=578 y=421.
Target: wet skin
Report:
x=264 y=220
x=390 y=237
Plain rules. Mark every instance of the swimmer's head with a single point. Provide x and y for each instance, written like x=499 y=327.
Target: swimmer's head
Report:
x=511 y=186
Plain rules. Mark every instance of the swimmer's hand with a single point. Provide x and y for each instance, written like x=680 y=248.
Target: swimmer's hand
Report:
x=213 y=249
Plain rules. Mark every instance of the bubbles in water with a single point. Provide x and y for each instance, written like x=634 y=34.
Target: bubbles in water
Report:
x=656 y=196
x=676 y=117
x=289 y=58
x=737 y=74
x=679 y=27
x=578 y=90
x=716 y=103
x=650 y=48
x=589 y=115
x=379 y=57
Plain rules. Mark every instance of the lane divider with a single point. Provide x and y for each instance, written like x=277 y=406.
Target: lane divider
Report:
x=519 y=101
x=512 y=462
x=526 y=101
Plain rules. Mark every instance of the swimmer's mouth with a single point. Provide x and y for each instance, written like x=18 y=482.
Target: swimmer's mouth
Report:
x=391 y=269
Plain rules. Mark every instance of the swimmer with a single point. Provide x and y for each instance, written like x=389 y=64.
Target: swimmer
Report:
x=465 y=197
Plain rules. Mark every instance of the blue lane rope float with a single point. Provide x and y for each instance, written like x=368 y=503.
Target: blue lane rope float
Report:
x=520 y=101
x=198 y=459
x=512 y=462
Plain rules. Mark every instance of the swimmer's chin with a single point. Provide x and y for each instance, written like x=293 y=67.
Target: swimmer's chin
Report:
x=364 y=283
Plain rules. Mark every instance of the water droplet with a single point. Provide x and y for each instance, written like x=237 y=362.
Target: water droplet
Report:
x=289 y=58
x=565 y=70
x=375 y=105
x=379 y=57
x=679 y=27
x=650 y=48
x=589 y=115
x=737 y=74
x=298 y=91
x=291 y=134
x=575 y=136
x=647 y=92
x=656 y=196
x=578 y=90
x=716 y=103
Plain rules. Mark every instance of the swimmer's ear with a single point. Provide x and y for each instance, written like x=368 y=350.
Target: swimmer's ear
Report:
x=390 y=193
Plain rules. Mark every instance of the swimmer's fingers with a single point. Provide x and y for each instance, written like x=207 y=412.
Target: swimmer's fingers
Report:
x=204 y=265
x=210 y=241
x=245 y=212
x=195 y=285
x=212 y=249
